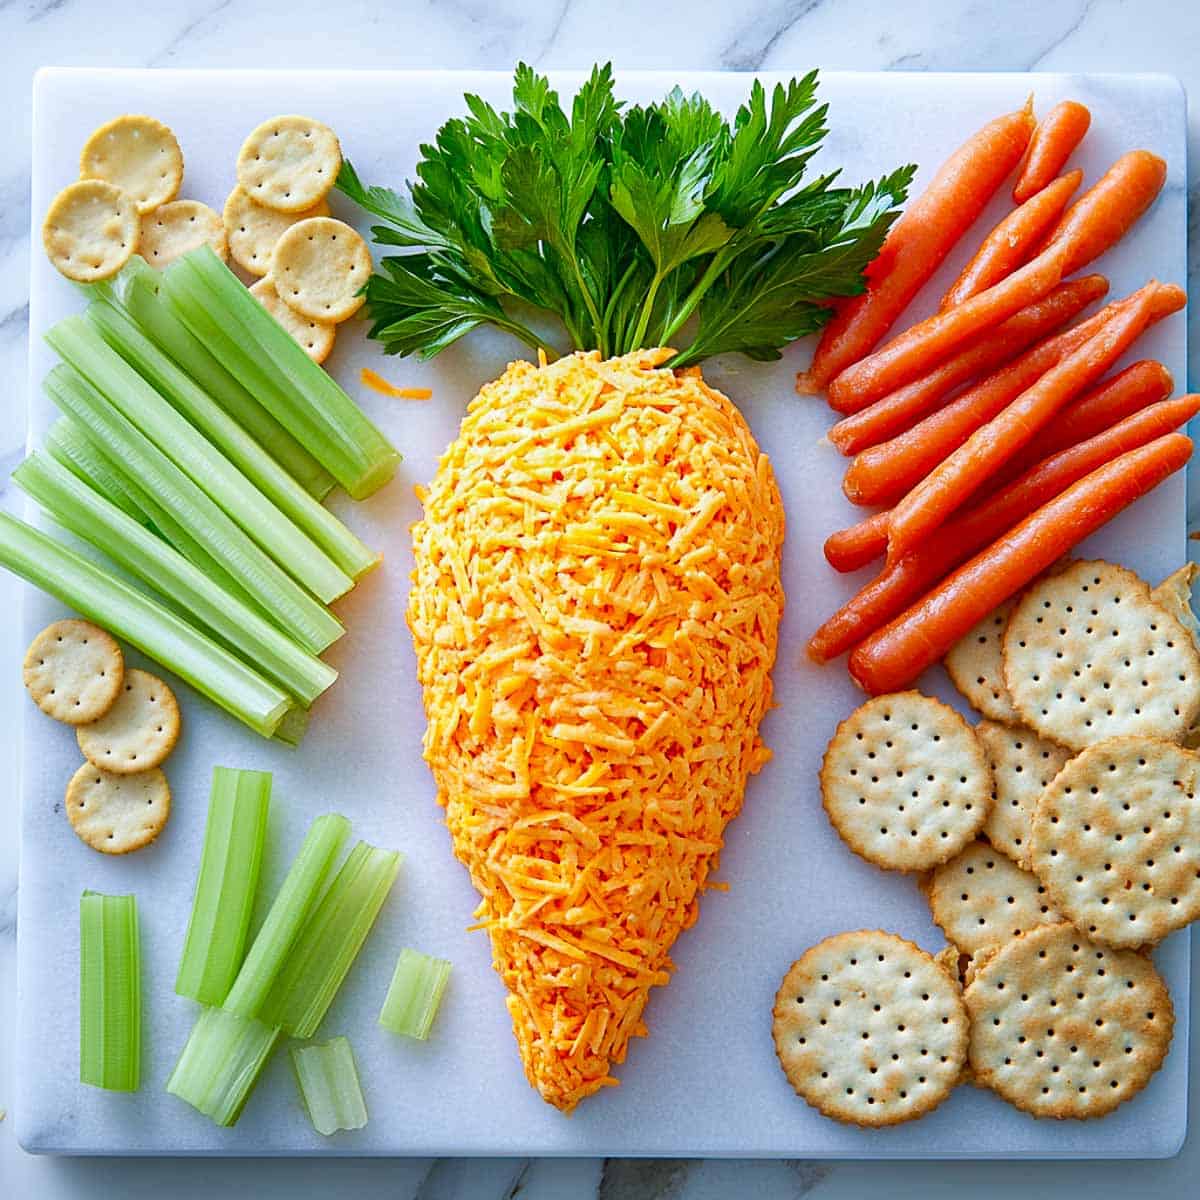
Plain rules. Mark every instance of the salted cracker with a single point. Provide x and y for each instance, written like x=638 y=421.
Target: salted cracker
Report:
x=252 y=229
x=975 y=666
x=138 y=732
x=173 y=229
x=289 y=162
x=90 y=231
x=139 y=155
x=74 y=670
x=117 y=813
x=316 y=338
x=869 y=1029
x=320 y=267
x=1175 y=595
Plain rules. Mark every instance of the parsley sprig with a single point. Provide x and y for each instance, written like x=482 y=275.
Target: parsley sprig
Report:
x=635 y=226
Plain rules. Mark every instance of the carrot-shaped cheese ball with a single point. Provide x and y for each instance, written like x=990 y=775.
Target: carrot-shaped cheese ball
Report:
x=1057 y=135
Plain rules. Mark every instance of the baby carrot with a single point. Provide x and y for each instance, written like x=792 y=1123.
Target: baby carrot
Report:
x=1054 y=141
x=916 y=245
x=1014 y=241
x=855 y=546
x=892 y=657
x=948 y=486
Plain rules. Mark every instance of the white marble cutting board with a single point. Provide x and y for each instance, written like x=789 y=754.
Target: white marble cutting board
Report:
x=705 y=1082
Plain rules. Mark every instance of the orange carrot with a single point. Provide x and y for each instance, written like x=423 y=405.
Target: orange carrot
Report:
x=1014 y=241
x=916 y=245
x=1054 y=141
x=856 y=545
x=902 y=408
x=930 y=504
x=892 y=657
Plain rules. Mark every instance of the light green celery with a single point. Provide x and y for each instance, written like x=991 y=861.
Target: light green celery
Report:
x=67 y=444
x=295 y=902
x=414 y=994
x=329 y=1087
x=330 y=941
x=110 y=992
x=81 y=345
x=146 y=624
x=326 y=531
x=227 y=884
x=279 y=596
x=221 y=1063
x=293 y=727
x=182 y=585
x=305 y=399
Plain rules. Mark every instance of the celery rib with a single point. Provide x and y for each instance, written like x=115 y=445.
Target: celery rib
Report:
x=328 y=1081
x=414 y=994
x=69 y=446
x=110 y=992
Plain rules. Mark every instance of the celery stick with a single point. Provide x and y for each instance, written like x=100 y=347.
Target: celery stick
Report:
x=279 y=596
x=221 y=1063
x=292 y=728
x=136 y=400
x=326 y=531
x=227 y=884
x=329 y=1087
x=414 y=994
x=68 y=445
x=330 y=941
x=110 y=992
x=153 y=629
x=294 y=903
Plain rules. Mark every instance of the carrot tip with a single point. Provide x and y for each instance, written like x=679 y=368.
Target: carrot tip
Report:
x=806 y=385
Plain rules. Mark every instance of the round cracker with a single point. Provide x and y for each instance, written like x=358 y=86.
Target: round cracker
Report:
x=252 y=229
x=1064 y=1027
x=139 y=155
x=314 y=337
x=74 y=670
x=90 y=231
x=1116 y=840
x=138 y=732
x=905 y=782
x=117 y=813
x=320 y=267
x=1088 y=655
x=869 y=1029
x=289 y=162
x=174 y=229
x=976 y=667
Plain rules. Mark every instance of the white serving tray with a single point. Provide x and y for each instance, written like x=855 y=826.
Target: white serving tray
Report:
x=705 y=1082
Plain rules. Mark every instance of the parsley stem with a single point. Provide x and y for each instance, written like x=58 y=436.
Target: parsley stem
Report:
x=635 y=342
x=699 y=288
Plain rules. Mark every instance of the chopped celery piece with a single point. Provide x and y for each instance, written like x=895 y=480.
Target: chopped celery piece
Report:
x=110 y=992
x=226 y=885
x=143 y=622
x=183 y=586
x=330 y=941
x=67 y=444
x=414 y=994
x=294 y=903
x=292 y=728
x=306 y=400
x=221 y=1063
x=82 y=347
x=329 y=1087
x=326 y=531
x=279 y=596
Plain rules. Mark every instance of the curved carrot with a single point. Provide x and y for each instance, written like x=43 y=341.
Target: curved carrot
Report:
x=930 y=504
x=1014 y=241
x=892 y=657
x=898 y=410
x=1054 y=141
x=918 y=242
x=856 y=545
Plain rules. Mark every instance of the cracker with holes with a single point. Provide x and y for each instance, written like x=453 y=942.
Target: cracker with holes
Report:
x=90 y=231
x=1022 y=765
x=139 y=155
x=174 y=229
x=975 y=666
x=1175 y=595
x=320 y=267
x=1116 y=840
x=1064 y=1027
x=252 y=229
x=314 y=337
x=869 y=1029
x=1089 y=655
x=905 y=782
x=116 y=814
x=289 y=163
x=74 y=670
x=138 y=732
x=981 y=898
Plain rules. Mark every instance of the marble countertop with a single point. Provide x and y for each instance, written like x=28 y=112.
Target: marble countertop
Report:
x=918 y=35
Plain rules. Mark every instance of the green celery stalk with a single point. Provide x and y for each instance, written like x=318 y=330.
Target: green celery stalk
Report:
x=221 y=1063
x=279 y=596
x=414 y=994
x=306 y=400
x=292 y=728
x=110 y=992
x=82 y=347
x=330 y=941
x=69 y=446
x=182 y=585
x=143 y=622
x=326 y=531
x=227 y=884
x=294 y=903
x=329 y=1087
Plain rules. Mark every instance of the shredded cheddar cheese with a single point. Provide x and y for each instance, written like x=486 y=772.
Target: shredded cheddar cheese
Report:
x=595 y=610
x=377 y=383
